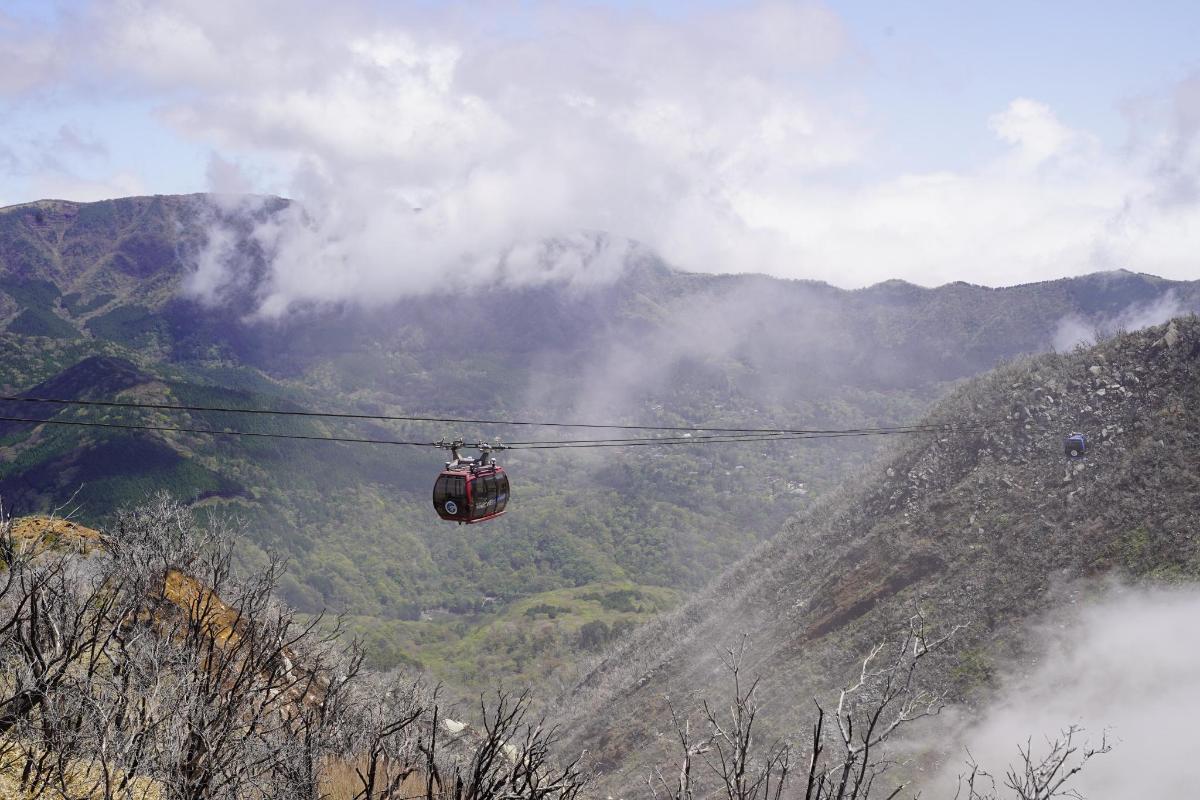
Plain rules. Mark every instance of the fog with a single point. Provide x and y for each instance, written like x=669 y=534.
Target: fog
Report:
x=754 y=336
x=1073 y=330
x=1128 y=664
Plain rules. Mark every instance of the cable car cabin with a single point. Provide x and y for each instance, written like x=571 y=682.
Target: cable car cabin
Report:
x=470 y=493
x=1075 y=445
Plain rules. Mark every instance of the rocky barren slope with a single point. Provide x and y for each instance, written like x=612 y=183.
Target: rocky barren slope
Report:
x=986 y=525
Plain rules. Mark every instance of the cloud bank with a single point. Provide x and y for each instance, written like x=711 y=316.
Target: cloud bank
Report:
x=1125 y=665
x=425 y=145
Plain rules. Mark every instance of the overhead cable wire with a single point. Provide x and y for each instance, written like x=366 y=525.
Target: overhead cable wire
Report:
x=547 y=445
x=405 y=418
x=781 y=437
x=756 y=436
x=216 y=432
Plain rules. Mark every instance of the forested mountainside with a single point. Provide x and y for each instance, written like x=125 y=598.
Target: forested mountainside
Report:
x=986 y=526
x=99 y=301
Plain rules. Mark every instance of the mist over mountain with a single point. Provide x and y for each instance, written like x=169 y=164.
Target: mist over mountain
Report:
x=824 y=377
x=1108 y=660
x=988 y=526
x=168 y=299
x=197 y=272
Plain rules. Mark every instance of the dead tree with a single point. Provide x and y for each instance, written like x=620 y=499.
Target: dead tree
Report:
x=728 y=750
x=689 y=748
x=60 y=617
x=316 y=728
x=885 y=696
x=512 y=758
x=120 y=666
x=244 y=682
x=1036 y=778
x=845 y=750
x=381 y=732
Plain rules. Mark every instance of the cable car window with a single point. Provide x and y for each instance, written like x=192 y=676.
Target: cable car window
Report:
x=449 y=496
x=477 y=499
x=447 y=487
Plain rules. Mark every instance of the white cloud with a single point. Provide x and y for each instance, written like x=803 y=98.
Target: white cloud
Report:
x=1033 y=128
x=422 y=159
x=29 y=57
x=420 y=142
x=1073 y=330
x=1119 y=665
x=225 y=178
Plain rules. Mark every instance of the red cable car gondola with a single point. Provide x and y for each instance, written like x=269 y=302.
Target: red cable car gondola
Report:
x=470 y=490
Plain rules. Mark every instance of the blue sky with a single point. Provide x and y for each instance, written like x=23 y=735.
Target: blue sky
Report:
x=954 y=63
x=802 y=139
x=932 y=72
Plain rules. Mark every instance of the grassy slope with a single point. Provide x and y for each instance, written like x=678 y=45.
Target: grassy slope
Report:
x=532 y=641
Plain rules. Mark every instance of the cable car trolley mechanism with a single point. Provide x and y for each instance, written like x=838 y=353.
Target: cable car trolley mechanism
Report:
x=470 y=489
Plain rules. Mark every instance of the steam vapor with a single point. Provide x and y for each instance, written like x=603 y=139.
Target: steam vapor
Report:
x=1128 y=665
x=1073 y=330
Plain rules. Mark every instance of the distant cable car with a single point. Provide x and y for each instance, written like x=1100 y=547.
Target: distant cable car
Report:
x=1075 y=445
x=470 y=489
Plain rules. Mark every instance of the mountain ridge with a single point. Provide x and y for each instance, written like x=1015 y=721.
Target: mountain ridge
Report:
x=232 y=206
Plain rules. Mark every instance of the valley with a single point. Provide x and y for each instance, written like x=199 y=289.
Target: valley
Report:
x=96 y=304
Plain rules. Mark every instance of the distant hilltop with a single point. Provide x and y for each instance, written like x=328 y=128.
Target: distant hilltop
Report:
x=182 y=220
